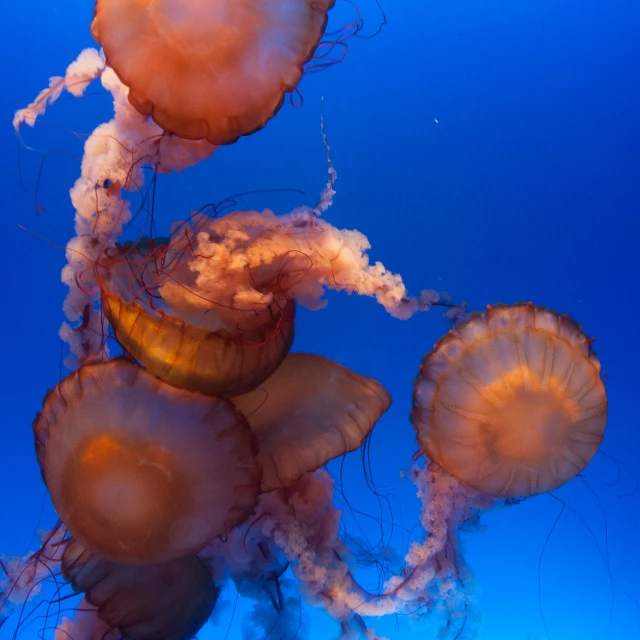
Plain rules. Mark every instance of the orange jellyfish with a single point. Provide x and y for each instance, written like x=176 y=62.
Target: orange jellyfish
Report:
x=214 y=69
x=511 y=402
x=140 y=472
x=170 y=601
x=211 y=309
x=220 y=352
x=308 y=412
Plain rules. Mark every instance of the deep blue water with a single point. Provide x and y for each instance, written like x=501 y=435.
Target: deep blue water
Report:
x=487 y=148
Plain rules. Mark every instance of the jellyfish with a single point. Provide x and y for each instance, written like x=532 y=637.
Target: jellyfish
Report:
x=130 y=463
x=511 y=402
x=217 y=69
x=212 y=307
x=310 y=411
x=225 y=352
x=171 y=600
x=143 y=476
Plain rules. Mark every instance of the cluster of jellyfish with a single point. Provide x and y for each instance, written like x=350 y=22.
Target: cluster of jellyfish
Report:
x=198 y=456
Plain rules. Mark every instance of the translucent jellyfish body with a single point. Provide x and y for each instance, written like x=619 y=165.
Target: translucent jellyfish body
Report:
x=141 y=472
x=170 y=601
x=222 y=352
x=214 y=69
x=308 y=412
x=511 y=402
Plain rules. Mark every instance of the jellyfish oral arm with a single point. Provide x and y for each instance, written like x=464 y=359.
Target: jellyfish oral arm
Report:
x=115 y=156
x=434 y=578
x=88 y=66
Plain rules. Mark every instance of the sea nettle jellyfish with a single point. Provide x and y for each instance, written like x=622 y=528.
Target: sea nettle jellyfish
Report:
x=224 y=351
x=140 y=472
x=511 y=402
x=211 y=308
x=213 y=69
x=171 y=601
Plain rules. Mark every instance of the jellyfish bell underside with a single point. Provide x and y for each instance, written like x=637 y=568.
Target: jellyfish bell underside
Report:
x=511 y=402
x=217 y=69
x=130 y=463
x=219 y=352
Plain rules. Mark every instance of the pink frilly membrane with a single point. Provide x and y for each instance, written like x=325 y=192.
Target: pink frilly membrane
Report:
x=249 y=260
x=115 y=156
x=300 y=528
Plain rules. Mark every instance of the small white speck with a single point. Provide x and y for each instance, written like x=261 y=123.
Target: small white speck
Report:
x=435 y=120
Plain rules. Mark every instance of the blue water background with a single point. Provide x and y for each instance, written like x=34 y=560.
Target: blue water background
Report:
x=487 y=148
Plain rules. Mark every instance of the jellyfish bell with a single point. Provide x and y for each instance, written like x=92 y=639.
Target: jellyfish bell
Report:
x=141 y=472
x=511 y=402
x=308 y=412
x=214 y=69
x=172 y=600
x=221 y=352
